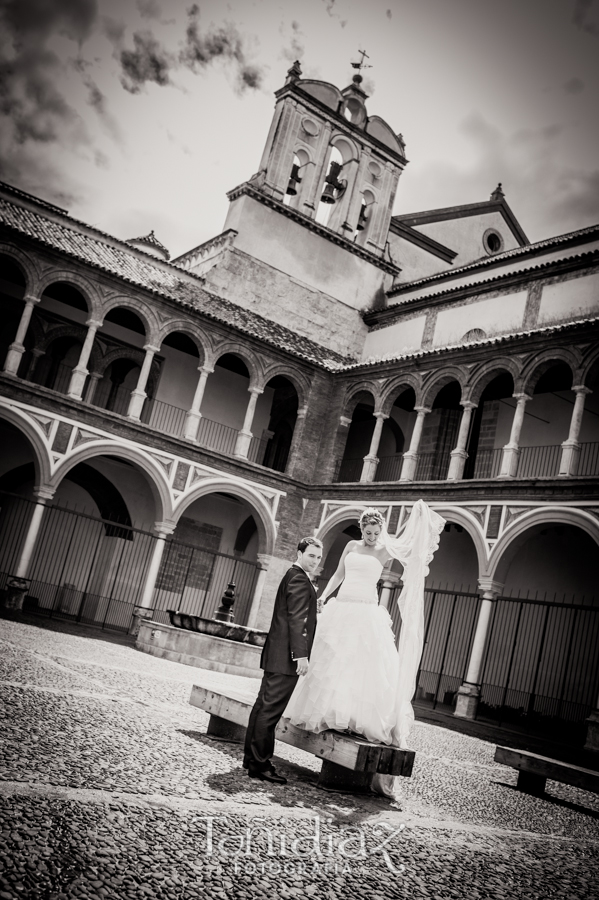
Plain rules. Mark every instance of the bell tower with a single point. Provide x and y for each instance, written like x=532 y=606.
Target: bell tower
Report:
x=327 y=159
x=305 y=242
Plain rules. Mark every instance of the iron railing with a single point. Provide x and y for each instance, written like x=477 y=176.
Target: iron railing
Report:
x=348 y=470
x=164 y=417
x=588 y=461
x=487 y=463
x=389 y=468
x=540 y=666
x=539 y=462
x=93 y=570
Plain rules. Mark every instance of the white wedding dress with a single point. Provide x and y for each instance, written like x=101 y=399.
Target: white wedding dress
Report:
x=352 y=677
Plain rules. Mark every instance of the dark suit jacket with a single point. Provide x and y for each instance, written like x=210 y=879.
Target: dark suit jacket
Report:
x=293 y=624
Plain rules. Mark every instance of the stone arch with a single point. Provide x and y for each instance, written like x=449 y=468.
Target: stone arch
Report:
x=460 y=516
x=395 y=387
x=133 y=353
x=590 y=368
x=77 y=332
x=486 y=373
x=338 y=139
x=518 y=533
x=265 y=522
x=299 y=382
x=351 y=397
x=142 y=310
x=155 y=476
x=42 y=459
x=26 y=264
x=347 y=514
x=86 y=288
x=190 y=330
x=249 y=359
x=438 y=380
x=542 y=362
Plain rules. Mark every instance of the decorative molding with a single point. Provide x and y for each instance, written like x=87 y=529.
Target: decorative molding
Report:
x=44 y=422
x=479 y=513
x=83 y=437
x=514 y=512
x=166 y=464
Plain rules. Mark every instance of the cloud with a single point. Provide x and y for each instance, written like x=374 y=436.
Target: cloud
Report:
x=330 y=8
x=389 y=14
x=148 y=61
x=586 y=17
x=295 y=48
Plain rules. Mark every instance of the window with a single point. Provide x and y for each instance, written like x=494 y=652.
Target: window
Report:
x=492 y=241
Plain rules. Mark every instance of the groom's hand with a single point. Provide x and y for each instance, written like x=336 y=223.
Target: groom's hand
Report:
x=302 y=665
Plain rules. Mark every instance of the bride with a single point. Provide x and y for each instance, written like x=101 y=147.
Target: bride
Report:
x=357 y=679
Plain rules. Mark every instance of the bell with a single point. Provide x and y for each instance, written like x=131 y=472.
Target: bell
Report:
x=328 y=195
x=294 y=180
x=362 y=219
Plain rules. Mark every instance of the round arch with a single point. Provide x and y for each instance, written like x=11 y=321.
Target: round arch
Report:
x=395 y=388
x=301 y=385
x=25 y=264
x=352 y=393
x=541 y=363
x=77 y=332
x=459 y=516
x=42 y=459
x=590 y=368
x=154 y=474
x=132 y=353
x=438 y=381
x=144 y=313
x=520 y=531
x=249 y=360
x=86 y=288
x=267 y=533
x=486 y=373
x=329 y=529
x=344 y=145
x=183 y=327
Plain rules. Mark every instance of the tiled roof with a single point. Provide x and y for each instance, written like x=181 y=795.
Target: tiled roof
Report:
x=108 y=254
x=151 y=241
x=492 y=261
x=483 y=342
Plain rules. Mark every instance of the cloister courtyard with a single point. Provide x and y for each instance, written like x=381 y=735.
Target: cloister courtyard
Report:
x=110 y=787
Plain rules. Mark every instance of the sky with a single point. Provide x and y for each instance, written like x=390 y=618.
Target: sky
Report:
x=141 y=114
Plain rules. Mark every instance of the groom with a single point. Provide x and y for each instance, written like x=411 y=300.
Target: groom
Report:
x=284 y=658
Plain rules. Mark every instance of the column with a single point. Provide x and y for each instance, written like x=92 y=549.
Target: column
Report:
x=194 y=415
x=244 y=437
x=36 y=354
x=80 y=372
x=459 y=456
x=17 y=348
x=355 y=203
x=592 y=740
x=390 y=581
x=263 y=563
x=371 y=460
x=144 y=609
x=296 y=441
x=469 y=692
x=410 y=457
x=571 y=446
x=511 y=451
x=42 y=496
x=139 y=394
x=94 y=378
x=313 y=185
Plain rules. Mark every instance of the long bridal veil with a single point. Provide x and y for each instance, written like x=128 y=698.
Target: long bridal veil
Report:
x=414 y=548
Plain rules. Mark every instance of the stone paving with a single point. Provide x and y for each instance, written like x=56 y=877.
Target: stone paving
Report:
x=109 y=787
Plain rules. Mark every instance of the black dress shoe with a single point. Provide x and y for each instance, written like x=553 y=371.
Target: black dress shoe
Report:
x=267 y=775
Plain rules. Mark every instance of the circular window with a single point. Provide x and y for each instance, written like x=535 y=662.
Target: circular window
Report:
x=492 y=241
x=310 y=127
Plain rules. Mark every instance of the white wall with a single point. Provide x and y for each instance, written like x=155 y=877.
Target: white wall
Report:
x=465 y=235
x=573 y=299
x=402 y=336
x=496 y=315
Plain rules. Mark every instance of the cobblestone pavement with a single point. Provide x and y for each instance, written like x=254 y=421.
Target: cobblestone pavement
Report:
x=109 y=787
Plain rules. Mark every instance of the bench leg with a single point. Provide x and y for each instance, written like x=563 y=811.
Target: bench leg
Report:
x=531 y=783
x=225 y=730
x=342 y=780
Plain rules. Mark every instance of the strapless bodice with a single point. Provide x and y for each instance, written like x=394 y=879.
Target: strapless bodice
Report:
x=362 y=573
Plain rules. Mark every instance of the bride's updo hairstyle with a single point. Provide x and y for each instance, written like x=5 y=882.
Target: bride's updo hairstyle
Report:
x=371 y=516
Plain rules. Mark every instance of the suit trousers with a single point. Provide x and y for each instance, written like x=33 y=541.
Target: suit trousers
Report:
x=273 y=696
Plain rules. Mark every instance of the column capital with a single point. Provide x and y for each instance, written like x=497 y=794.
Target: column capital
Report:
x=522 y=396
x=94 y=323
x=151 y=347
x=468 y=404
x=163 y=529
x=380 y=415
x=581 y=389
x=302 y=412
x=256 y=390
x=31 y=298
x=489 y=589
x=44 y=494
x=344 y=421
x=264 y=560
x=422 y=409
x=205 y=368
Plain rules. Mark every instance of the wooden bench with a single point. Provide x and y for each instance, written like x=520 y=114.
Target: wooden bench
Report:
x=348 y=761
x=534 y=770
